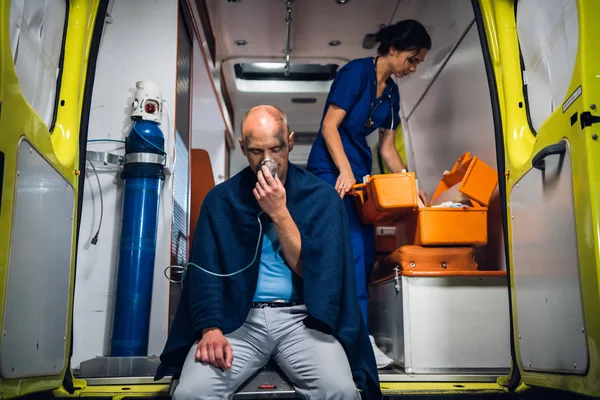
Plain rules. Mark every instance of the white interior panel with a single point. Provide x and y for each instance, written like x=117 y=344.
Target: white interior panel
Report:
x=122 y=63
x=457 y=323
x=39 y=268
x=549 y=308
x=314 y=23
x=36 y=38
x=446 y=21
x=454 y=117
x=445 y=324
x=548 y=36
x=213 y=141
x=208 y=128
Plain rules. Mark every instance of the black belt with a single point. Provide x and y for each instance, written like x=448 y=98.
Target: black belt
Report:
x=276 y=304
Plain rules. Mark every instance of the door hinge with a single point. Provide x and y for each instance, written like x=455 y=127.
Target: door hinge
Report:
x=587 y=119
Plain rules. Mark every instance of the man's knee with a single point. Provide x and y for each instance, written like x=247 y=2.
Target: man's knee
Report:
x=199 y=389
x=340 y=388
x=185 y=393
x=334 y=382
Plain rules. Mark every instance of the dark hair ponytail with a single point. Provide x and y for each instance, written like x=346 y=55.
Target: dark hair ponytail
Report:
x=406 y=35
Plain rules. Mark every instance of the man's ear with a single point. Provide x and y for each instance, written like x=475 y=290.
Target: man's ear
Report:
x=291 y=141
x=241 y=142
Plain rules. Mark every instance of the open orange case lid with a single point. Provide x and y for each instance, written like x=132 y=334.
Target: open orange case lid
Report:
x=477 y=180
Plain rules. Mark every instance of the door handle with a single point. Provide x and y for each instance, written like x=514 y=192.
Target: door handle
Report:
x=538 y=160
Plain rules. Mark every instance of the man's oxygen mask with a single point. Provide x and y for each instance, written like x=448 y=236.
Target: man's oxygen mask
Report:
x=272 y=165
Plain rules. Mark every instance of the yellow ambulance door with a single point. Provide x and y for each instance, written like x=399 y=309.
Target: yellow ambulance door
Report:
x=545 y=57
x=44 y=49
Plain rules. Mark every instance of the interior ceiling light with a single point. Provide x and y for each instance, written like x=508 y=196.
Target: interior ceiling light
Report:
x=335 y=43
x=241 y=42
x=342 y=1
x=269 y=65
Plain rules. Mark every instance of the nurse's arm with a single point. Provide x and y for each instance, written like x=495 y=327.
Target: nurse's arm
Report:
x=389 y=153
x=331 y=122
x=392 y=159
x=333 y=141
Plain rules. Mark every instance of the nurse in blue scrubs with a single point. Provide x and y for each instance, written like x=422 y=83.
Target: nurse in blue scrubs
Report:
x=363 y=98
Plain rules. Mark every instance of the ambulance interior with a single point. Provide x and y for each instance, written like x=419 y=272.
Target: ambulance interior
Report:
x=459 y=324
x=439 y=324
x=456 y=324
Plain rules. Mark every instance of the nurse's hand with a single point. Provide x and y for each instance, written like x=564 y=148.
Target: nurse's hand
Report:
x=344 y=183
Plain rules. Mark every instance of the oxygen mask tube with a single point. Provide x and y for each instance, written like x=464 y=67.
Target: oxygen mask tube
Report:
x=273 y=167
x=184 y=268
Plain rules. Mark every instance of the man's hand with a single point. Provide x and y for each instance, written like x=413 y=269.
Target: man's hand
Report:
x=270 y=194
x=214 y=349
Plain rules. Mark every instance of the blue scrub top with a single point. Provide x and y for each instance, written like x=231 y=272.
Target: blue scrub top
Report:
x=353 y=90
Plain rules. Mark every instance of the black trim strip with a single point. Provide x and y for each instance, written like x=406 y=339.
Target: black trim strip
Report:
x=60 y=70
x=207 y=28
x=226 y=96
x=524 y=72
x=83 y=135
x=515 y=376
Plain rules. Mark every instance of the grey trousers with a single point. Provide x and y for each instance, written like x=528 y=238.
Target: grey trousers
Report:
x=314 y=362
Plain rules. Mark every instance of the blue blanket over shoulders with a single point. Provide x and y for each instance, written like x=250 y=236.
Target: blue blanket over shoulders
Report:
x=225 y=241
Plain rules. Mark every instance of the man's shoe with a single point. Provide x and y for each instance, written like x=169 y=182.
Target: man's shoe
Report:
x=381 y=359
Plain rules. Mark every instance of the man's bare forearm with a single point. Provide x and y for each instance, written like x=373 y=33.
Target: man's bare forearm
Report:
x=289 y=237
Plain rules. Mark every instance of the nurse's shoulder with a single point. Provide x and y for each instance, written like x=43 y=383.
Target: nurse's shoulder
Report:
x=358 y=66
x=351 y=79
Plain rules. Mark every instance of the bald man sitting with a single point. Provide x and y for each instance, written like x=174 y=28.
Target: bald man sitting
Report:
x=271 y=277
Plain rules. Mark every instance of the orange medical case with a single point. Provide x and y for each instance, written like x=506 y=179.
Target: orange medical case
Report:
x=473 y=183
x=428 y=259
x=421 y=261
x=386 y=197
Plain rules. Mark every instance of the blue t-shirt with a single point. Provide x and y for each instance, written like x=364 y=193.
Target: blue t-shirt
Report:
x=353 y=90
x=276 y=281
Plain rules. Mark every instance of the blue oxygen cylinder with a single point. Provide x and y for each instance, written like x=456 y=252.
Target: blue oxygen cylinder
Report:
x=142 y=172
